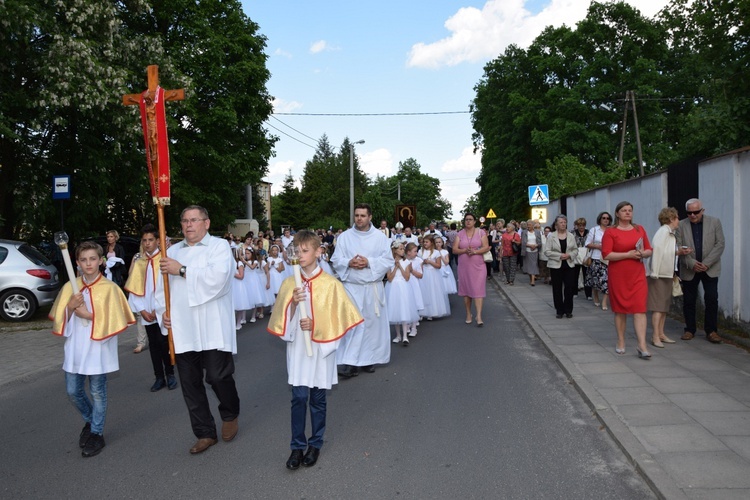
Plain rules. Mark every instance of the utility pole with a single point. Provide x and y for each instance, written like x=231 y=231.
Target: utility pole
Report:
x=630 y=97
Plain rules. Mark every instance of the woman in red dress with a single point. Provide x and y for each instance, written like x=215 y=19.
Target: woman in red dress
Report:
x=625 y=245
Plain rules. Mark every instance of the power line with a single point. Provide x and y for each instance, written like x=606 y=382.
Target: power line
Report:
x=301 y=142
x=378 y=114
x=301 y=133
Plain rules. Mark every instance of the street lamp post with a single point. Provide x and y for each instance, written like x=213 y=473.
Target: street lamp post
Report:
x=351 y=181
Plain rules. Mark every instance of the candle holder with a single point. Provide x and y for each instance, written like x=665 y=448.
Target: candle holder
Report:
x=291 y=254
x=61 y=240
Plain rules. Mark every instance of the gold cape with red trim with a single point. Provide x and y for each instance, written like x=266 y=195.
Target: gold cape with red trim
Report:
x=110 y=309
x=136 y=283
x=332 y=311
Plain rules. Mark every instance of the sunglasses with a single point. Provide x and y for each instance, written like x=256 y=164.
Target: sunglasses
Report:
x=694 y=212
x=605 y=218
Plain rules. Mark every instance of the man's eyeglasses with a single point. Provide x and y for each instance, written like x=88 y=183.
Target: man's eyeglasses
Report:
x=694 y=212
x=185 y=222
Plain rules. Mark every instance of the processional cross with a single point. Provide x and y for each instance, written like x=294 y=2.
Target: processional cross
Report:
x=153 y=120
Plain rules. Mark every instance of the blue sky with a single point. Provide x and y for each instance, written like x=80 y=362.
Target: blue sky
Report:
x=387 y=56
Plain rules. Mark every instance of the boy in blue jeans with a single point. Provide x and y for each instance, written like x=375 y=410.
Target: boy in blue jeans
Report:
x=331 y=314
x=90 y=321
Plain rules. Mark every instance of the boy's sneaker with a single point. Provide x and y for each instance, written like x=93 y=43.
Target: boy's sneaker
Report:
x=85 y=433
x=93 y=446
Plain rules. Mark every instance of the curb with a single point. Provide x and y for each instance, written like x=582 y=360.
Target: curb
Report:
x=655 y=476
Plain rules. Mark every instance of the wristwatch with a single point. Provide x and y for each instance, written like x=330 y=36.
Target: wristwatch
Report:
x=183 y=269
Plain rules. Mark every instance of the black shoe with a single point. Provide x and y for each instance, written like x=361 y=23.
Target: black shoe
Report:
x=93 y=446
x=85 y=433
x=558 y=316
x=568 y=315
x=369 y=368
x=171 y=382
x=311 y=457
x=348 y=371
x=159 y=384
x=295 y=459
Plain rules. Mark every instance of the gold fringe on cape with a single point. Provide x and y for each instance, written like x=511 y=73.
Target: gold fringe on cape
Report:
x=110 y=308
x=332 y=311
x=136 y=283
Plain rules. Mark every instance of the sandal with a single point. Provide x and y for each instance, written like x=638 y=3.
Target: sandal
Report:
x=687 y=336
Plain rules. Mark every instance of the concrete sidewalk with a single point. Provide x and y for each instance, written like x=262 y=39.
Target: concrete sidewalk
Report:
x=28 y=354
x=682 y=417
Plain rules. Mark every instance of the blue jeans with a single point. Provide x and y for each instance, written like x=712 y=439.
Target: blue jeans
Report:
x=317 y=398
x=92 y=410
x=710 y=299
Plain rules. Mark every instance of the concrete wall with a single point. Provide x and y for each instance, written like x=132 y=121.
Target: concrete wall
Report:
x=724 y=184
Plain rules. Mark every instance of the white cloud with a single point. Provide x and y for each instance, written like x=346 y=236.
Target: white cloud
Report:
x=378 y=162
x=322 y=46
x=479 y=35
x=277 y=172
x=282 y=106
x=282 y=53
x=467 y=162
x=280 y=168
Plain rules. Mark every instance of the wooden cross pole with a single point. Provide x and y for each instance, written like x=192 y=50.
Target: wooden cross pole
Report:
x=153 y=120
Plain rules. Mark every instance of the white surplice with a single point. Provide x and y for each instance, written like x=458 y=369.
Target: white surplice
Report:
x=202 y=312
x=369 y=343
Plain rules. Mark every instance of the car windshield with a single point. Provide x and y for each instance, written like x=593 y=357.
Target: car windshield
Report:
x=34 y=255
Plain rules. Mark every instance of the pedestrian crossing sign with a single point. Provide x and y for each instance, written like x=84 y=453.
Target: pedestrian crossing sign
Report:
x=491 y=214
x=539 y=214
x=539 y=195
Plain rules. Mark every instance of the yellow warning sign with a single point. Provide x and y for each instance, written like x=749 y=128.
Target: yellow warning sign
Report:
x=491 y=214
x=539 y=214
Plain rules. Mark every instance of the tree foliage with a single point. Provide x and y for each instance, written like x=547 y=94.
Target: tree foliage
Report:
x=323 y=201
x=64 y=67
x=556 y=108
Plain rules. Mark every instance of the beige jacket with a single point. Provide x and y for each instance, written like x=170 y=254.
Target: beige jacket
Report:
x=713 y=247
x=663 y=257
x=553 y=251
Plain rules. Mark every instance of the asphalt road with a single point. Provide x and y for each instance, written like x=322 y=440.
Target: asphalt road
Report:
x=462 y=412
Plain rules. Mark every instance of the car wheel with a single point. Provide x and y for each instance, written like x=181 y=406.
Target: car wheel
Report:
x=17 y=305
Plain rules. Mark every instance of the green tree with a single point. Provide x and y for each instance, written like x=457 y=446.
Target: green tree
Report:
x=325 y=185
x=708 y=71
x=563 y=97
x=219 y=142
x=64 y=67
x=423 y=191
x=287 y=206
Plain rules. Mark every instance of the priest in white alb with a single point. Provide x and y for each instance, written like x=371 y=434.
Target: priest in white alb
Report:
x=362 y=257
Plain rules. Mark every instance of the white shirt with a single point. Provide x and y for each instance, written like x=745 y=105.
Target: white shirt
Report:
x=202 y=312
x=83 y=355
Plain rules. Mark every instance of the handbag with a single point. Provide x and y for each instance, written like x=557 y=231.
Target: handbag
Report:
x=487 y=256
x=515 y=246
x=676 y=287
x=587 y=258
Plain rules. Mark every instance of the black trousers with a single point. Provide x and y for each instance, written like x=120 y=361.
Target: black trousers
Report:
x=219 y=373
x=564 y=283
x=710 y=300
x=159 y=350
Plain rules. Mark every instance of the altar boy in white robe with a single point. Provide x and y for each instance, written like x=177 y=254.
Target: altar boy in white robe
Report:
x=90 y=320
x=331 y=315
x=361 y=259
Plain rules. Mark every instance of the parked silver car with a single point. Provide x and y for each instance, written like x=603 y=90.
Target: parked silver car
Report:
x=27 y=280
